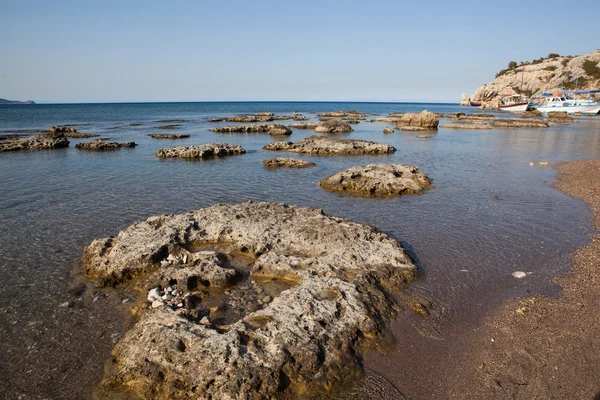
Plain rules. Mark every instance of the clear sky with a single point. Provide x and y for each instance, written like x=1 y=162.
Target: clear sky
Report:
x=111 y=51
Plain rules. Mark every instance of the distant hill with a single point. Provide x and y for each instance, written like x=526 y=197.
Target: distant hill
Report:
x=4 y=101
x=546 y=73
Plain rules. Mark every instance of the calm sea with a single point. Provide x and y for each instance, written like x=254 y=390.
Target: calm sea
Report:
x=490 y=213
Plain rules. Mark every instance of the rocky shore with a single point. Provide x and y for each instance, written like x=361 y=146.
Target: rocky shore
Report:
x=378 y=180
x=330 y=146
x=303 y=339
x=209 y=150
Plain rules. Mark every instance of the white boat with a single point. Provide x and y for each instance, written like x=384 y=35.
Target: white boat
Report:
x=513 y=103
x=562 y=102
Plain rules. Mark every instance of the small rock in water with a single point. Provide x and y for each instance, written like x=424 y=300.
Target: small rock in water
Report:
x=267 y=299
x=519 y=274
x=157 y=303
x=543 y=162
x=531 y=164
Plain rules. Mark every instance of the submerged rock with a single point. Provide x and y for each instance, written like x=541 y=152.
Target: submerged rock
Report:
x=331 y=146
x=37 y=142
x=201 y=151
x=519 y=123
x=287 y=163
x=99 y=145
x=378 y=180
x=340 y=114
x=62 y=129
x=169 y=135
x=343 y=275
x=333 y=126
x=425 y=120
x=271 y=129
x=387 y=131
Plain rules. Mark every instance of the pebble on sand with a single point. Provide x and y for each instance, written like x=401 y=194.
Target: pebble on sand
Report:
x=519 y=274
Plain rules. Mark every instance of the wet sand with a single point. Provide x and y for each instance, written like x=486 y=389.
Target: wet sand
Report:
x=530 y=348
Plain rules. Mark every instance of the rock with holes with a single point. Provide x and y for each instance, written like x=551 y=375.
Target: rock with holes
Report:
x=202 y=151
x=37 y=142
x=378 y=180
x=303 y=340
x=282 y=162
x=331 y=146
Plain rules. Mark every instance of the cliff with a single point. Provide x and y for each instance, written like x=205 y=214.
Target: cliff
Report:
x=4 y=101
x=544 y=74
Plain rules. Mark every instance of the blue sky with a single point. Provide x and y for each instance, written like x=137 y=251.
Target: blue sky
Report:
x=111 y=51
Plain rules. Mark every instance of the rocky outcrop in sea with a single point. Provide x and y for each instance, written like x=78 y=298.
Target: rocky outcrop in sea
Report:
x=99 y=145
x=330 y=146
x=248 y=301
x=425 y=120
x=279 y=162
x=36 y=142
x=209 y=150
x=271 y=129
x=378 y=180
x=333 y=126
x=169 y=135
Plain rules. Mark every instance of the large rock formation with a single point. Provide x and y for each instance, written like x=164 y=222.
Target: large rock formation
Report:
x=333 y=126
x=378 y=180
x=331 y=146
x=37 y=142
x=209 y=150
x=425 y=120
x=328 y=285
x=271 y=129
x=531 y=78
x=273 y=163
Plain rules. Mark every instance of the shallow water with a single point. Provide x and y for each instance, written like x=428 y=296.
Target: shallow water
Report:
x=489 y=214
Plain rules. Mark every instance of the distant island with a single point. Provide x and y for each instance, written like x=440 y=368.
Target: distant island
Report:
x=4 y=101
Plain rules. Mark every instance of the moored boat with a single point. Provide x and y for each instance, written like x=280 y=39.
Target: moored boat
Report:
x=513 y=103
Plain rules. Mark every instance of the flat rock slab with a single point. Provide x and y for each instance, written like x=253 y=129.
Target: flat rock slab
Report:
x=304 y=125
x=378 y=180
x=271 y=129
x=37 y=142
x=518 y=123
x=169 y=135
x=209 y=150
x=330 y=146
x=340 y=276
x=466 y=125
x=273 y=163
x=99 y=145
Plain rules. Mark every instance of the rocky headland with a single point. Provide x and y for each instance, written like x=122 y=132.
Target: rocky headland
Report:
x=203 y=151
x=36 y=142
x=531 y=78
x=280 y=162
x=326 y=287
x=4 y=101
x=378 y=180
x=329 y=146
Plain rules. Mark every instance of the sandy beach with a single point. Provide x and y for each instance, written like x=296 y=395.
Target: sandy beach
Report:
x=530 y=348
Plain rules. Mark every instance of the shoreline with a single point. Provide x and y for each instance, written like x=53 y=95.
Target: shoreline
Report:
x=530 y=347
